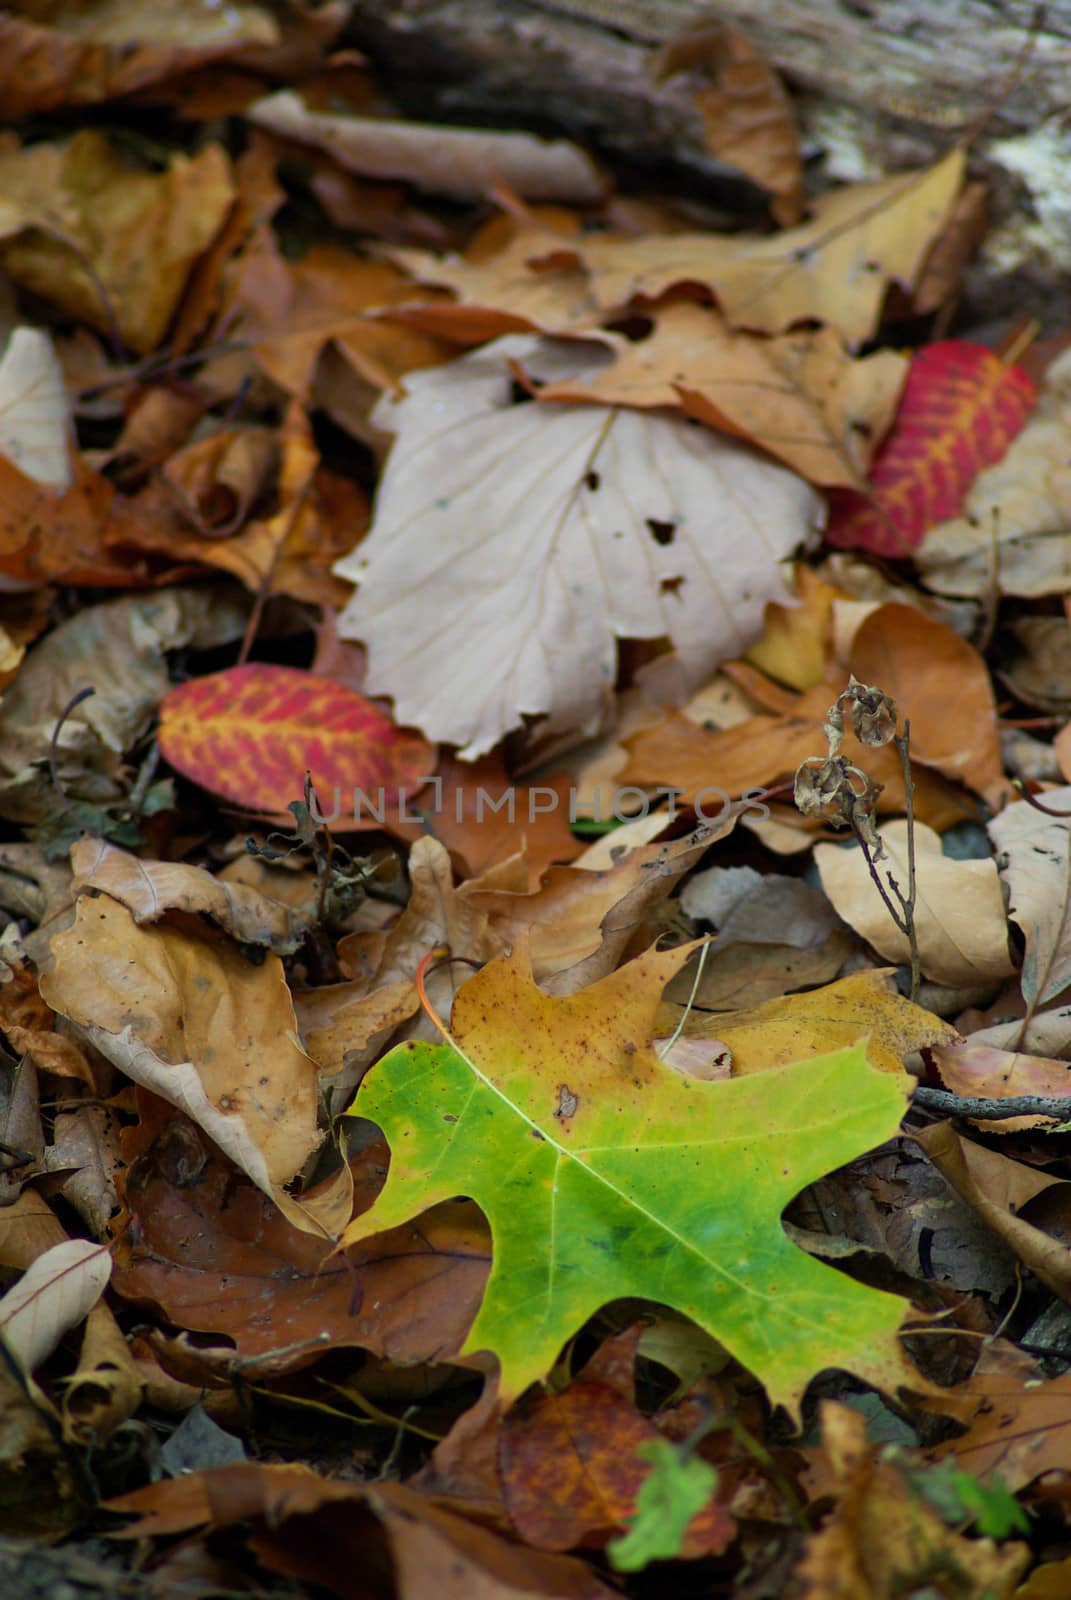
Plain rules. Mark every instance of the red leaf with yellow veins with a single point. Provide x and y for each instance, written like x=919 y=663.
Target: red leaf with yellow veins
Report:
x=960 y=410
x=251 y=733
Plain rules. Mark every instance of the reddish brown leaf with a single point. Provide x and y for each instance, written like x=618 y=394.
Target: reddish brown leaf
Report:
x=214 y=1255
x=251 y=733
x=960 y=410
x=570 y=1471
x=748 y=117
x=339 y=1534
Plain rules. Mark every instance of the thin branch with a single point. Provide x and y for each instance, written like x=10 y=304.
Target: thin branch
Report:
x=53 y=759
x=903 y=744
x=1032 y=800
x=946 y=1104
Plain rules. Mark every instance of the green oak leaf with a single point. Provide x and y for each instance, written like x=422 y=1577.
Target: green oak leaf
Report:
x=604 y=1173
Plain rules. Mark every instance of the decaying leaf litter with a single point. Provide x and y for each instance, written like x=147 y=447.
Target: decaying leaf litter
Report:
x=463 y=1123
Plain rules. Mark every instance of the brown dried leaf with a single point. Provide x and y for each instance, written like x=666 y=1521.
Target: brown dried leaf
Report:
x=748 y=118
x=150 y=889
x=194 y=1021
x=801 y=397
x=214 y=1255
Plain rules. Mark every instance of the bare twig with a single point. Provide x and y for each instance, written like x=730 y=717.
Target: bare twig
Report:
x=946 y=1104
x=53 y=759
x=1032 y=800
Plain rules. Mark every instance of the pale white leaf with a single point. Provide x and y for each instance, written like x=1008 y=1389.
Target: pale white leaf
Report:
x=35 y=422
x=54 y=1294
x=1036 y=866
x=513 y=544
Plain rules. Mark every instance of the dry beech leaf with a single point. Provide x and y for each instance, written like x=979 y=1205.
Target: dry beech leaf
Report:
x=106 y=1387
x=801 y=396
x=460 y=161
x=941 y=685
x=289 y=312
x=54 y=1294
x=1035 y=864
x=91 y=54
x=765 y=748
x=103 y=241
x=580 y=923
x=35 y=423
x=208 y=1031
x=1048 y=1258
x=959 y=914
x=747 y=115
x=519 y=275
x=555 y=532
x=149 y=889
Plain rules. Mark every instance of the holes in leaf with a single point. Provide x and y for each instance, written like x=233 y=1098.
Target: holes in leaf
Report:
x=661 y=532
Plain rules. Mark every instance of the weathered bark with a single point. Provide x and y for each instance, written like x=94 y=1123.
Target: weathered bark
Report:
x=881 y=84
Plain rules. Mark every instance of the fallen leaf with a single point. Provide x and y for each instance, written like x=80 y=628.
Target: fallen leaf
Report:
x=346 y=1025
x=1021 y=1431
x=535 y=1071
x=117 y=648
x=580 y=923
x=113 y=246
x=861 y=1007
x=1035 y=864
x=1048 y=1258
x=800 y=397
x=324 y=1530
x=941 y=685
x=1011 y=537
x=289 y=312
x=748 y=118
x=250 y=734
x=35 y=422
x=85 y=1152
x=960 y=410
x=536 y=572
x=882 y=1539
x=518 y=275
x=105 y=1388
x=1041 y=675
x=214 y=1255
x=456 y=161
x=797 y=636
x=54 y=1294
x=484 y=818
x=959 y=912
x=815 y=272
x=149 y=889
x=571 y=1471
x=117 y=51
x=201 y=1026
x=757 y=753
